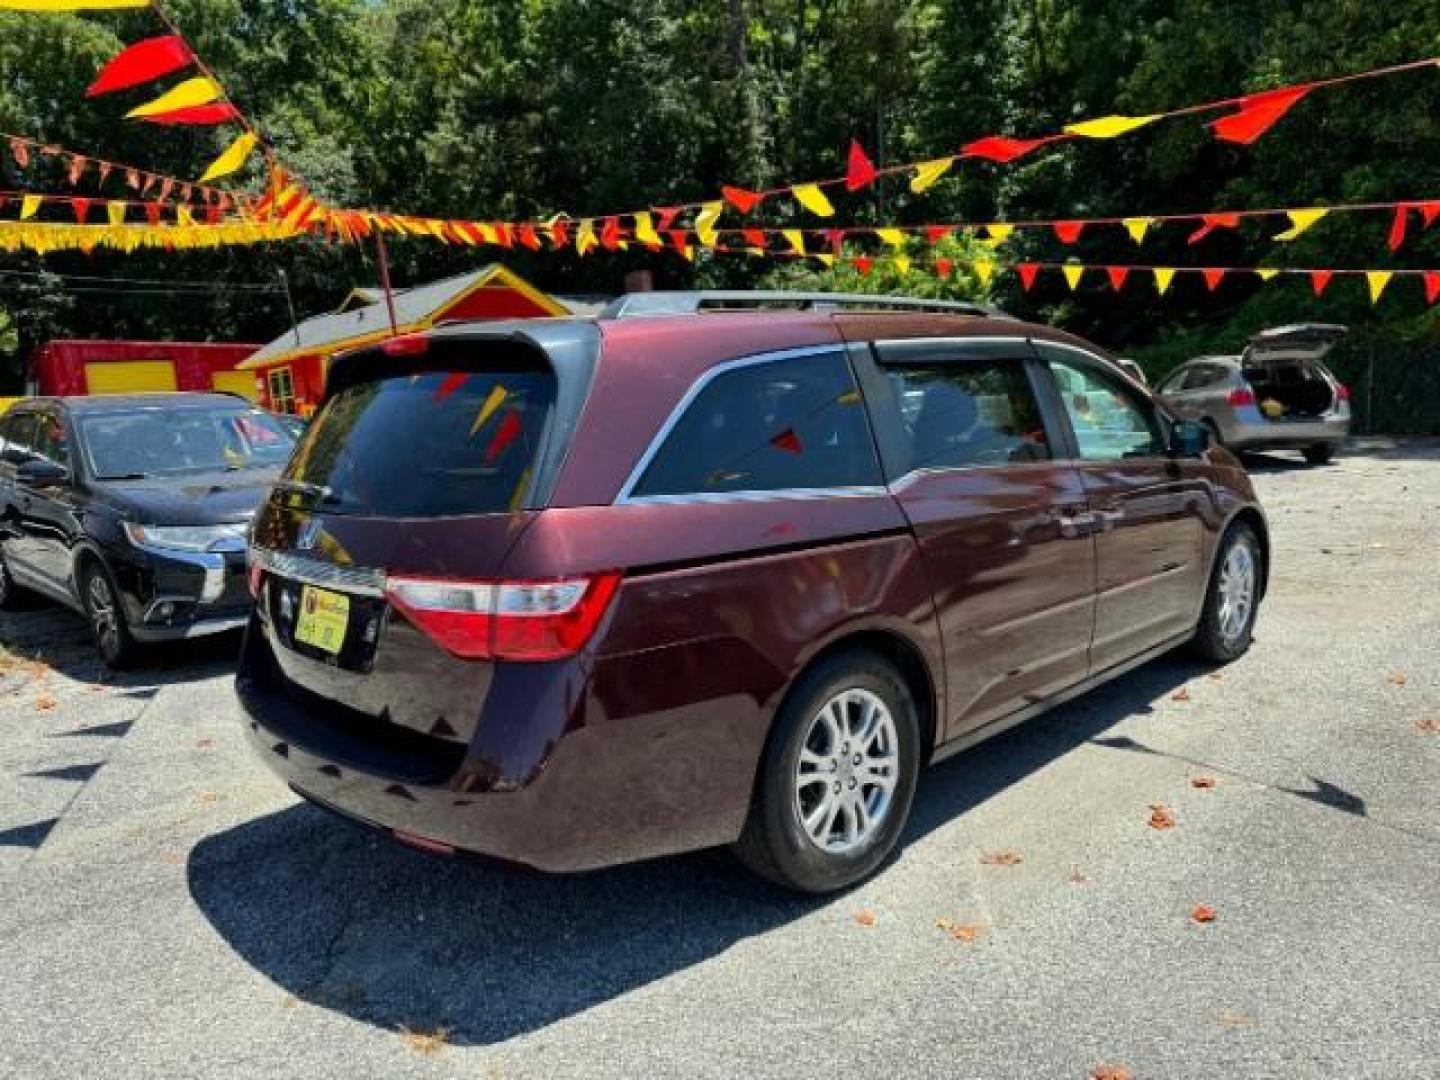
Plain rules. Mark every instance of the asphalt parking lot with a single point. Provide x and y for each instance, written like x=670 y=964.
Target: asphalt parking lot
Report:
x=168 y=909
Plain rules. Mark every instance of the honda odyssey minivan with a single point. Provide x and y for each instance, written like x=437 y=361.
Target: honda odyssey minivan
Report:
x=580 y=591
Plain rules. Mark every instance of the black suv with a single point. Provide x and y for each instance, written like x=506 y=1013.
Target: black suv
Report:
x=132 y=509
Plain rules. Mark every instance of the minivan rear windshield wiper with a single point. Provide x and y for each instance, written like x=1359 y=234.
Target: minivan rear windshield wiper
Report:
x=304 y=487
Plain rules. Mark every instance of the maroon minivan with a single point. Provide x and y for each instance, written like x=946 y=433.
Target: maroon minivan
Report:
x=575 y=592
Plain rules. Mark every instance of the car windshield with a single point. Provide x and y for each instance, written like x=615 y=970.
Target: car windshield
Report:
x=136 y=443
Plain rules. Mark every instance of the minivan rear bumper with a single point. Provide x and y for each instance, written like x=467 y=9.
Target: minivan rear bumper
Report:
x=599 y=793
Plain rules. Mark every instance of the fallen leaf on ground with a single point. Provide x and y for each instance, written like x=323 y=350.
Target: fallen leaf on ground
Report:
x=1077 y=878
x=1183 y=694
x=290 y=1001
x=205 y=743
x=1232 y=1019
x=210 y=796
x=1429 y=726
x=1398 y=678
x=45 y=703
x=1000 y=858
x=1203 y=913
x=1202 y=781
x=865 y=917
x=425 y=1042
x=1161 y=817
x=1110 y=1072
x=960 y=931
x=174 y=858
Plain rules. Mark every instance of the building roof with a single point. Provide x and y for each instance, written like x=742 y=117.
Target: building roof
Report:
x=415 y=309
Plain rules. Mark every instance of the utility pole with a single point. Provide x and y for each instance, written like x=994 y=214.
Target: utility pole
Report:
x=385 y=278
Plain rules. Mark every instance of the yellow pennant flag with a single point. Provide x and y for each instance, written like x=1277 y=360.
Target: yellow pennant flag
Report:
x=70 y=5
x=985 y=270
x=1073 y=273
x=893 y=237
x=997 y=233
x=494 y=401
x=197 y=91
x=1137 y=227
x=1164 y=275
x=645 y=230
x=705 y=221
x=231 y=159
x=1107 y=127
x=184 y=215
x=902 y=264
x=1377 y=279
x=1300 y=220
x=116 y=212
x=825 y=259
x=29 y=207
x=1265 y=273
x=927 y=172
x=796 y=239
x=585 y=237
x=813 y=199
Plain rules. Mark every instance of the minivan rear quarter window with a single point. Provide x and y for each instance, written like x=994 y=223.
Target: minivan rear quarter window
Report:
x=777 y=424
x=430 y=444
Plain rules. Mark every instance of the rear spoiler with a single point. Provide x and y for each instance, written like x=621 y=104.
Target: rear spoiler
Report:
x=1312 y=340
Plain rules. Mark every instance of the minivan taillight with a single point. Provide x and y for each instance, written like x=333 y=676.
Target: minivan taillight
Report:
x=1242 y=397
x=505 y=620
x=1342 y=392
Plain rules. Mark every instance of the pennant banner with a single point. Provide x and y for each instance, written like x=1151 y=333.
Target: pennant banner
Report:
x=141 y=63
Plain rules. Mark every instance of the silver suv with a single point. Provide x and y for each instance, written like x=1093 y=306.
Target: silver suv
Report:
x=1277 y=394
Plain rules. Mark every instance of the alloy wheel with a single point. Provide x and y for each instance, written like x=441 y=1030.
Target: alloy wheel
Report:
x=847 y=771
x=103 y=616
x=1237 y=591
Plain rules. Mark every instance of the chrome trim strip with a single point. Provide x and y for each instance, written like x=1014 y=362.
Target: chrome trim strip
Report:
x=362 y=581
x=977 y=339
x=862 y=492
x=696 y=388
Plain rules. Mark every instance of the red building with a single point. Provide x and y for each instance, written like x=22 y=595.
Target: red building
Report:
x=65 y=368
x=292 y=368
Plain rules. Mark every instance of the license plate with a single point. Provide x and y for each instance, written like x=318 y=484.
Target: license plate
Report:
x=324 y=618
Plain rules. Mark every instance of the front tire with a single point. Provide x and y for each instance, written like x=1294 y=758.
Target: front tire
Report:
x=117 y=648
x=1320 y=453
x=1227 y=622
x=838 y=777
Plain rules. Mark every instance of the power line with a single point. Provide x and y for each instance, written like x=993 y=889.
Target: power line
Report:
x=179 y=283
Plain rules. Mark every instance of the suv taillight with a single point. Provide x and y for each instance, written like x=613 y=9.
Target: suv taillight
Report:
x=505 y=620
x=1242 y=397
x=1342 y=392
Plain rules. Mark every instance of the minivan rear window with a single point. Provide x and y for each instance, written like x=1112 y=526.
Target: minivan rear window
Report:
x=434 y=444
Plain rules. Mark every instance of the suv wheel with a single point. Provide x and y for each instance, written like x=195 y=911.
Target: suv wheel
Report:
x=1227 y=622
x=107 y=619
x=1320 y=453
x=835 y=787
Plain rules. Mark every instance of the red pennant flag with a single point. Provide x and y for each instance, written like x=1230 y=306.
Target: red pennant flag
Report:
x=218 y=112
x=860 y=170
x=741 y=198
x=506 y=236
x=449 y=385
x=81 y=208
x=20 y=152
x=1432 y=286
x=1319 y=279
x=1118 y=274
x=754 y=237
x=943 y=267
x=1397 y=227
x=863 y=263
x=505 y=434
x=665 y=216
x=1027 y=272
x=1212 y=278
x=1068 y=231
x=560 y=232
x=788 y=441
x=935 y=233
x=1429 y=211
x=679 y=240
x=1258 y=113
x=77 y=168
x=836 y=238
x=212 y=215
x=141 y=62
x=1210 y=222
x=529 y=237
x=610 y=234
x=152 y=213
x=1001 y=149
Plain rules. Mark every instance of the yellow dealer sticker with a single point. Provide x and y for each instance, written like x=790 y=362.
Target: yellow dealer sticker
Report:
x=324 y=617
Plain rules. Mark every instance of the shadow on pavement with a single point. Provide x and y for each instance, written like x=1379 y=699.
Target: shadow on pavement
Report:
x=353 y=922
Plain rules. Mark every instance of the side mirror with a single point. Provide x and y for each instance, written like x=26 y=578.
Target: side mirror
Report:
x=39 y=473
x=1189 y=439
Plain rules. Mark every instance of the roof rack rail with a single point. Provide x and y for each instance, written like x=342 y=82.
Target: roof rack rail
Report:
x=632 y=305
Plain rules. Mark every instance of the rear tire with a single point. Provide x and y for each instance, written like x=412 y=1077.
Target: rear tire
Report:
x=1320 y=453
x=117 y=648
x=838 y=777
x=1227 y=622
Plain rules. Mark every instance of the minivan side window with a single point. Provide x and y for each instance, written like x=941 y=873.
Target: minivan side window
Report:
x=966 y=413
x=1110 y=421
x=794 y=422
